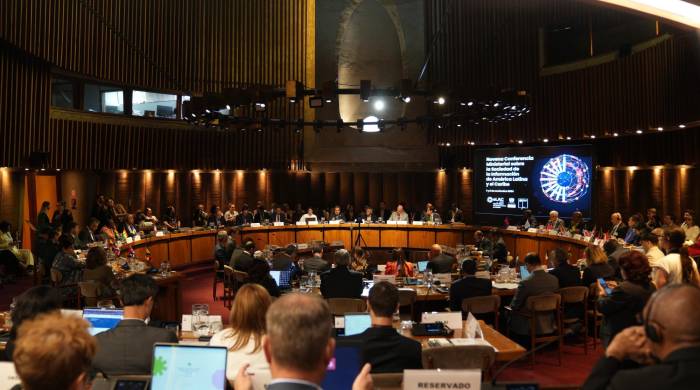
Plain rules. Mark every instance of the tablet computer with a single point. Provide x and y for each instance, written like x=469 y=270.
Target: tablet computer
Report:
x=177 y=366
x=345 y=365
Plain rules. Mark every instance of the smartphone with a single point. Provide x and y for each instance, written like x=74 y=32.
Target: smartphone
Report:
x=605 y=286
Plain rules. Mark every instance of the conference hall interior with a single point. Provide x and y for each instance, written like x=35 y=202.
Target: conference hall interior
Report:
x=349 y=194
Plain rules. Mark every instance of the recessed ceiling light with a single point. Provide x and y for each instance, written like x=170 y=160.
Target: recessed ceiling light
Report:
x=545 y=140
x=681 y=126
x=615 y=134
x=660 y=128
x=639 y=131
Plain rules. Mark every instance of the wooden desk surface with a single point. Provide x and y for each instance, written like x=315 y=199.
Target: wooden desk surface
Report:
x=506 y=349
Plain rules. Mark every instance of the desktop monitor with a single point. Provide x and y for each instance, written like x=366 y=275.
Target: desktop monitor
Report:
x=422 y=265
x=524 y=273
x=102 y=319
x=177 y=366
x=356 y=323
x=345 y=365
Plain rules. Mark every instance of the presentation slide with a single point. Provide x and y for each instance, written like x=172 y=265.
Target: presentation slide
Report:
x=509 y=180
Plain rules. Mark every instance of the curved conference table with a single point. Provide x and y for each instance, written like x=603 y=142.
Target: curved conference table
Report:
x=194 y=247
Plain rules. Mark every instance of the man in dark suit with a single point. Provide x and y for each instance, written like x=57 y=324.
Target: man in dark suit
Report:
x=367 y=216
x=539 y=283
x=88 y=235
x=567 y=274
x=128 y=348
x=482 y=243
x=242 y=258
x=337 y=215
x=316 y=262
x=224 y=248
x=245 y=216
x=469 y=286
x=299 y=362
x=341 y=282
x=618 y=229
x=284 y=260
x=382 y=346
x=439 y=262
x=670 y=340
x=279 y=216
x=383 y=212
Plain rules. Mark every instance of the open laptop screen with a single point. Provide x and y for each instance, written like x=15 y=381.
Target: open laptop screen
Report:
x=422 y=265
x=102 y=319
x=524 y=273
x=188 y=367
x=357 y=323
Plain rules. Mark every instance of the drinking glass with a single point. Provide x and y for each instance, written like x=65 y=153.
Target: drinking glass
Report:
x=200 y=319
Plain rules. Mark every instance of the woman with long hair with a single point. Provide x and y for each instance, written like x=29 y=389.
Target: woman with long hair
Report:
x=689 y=273
x=596 y=265
x=97 y=270
x=246 y=327
x=398 y=265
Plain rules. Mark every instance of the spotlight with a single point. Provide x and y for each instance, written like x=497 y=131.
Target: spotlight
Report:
x=315 y=102
x=639 y=131
x=681 y=126
x=520 y=141
x=365 y=90
x=545 y=140
x=440 y=100
x=448 y=144
x=660 y=129
x=568 y=138
x=470 y=104
x=379 y=105
x=228 y=107
x=371 y=128
x=593 y=136
x=405 y=90
x=294 y=91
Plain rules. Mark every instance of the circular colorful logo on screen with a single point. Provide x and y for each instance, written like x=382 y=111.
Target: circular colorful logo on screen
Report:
x=565 y=178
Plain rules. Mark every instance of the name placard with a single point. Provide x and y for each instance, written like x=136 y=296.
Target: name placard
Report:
x=336 y=222
x=313 y=222
x=159 y=234
x=577 y=237
x=532 y=230
x=452 y=319
x=392 y=222
x=278 y=224
x=402 y=222
x=255 y=224
x=137 y=237
x=512 y=227
x=129 y=240
x=442 y=379
x=299 y=223
x=553 y=232
x=419 y=223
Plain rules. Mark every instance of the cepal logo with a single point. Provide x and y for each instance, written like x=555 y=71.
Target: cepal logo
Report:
x=491 y=199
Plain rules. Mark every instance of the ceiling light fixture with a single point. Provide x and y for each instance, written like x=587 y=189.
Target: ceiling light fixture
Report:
x=676 y=10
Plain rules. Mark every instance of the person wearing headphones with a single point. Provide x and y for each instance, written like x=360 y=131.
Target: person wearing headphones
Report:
x=669 y=339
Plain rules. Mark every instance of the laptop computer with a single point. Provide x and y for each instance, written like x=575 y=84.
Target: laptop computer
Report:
x=282 y=278
x=524 y=273
x=422 y=265
x=102 y=320
x=356 y=323
x=178 y=366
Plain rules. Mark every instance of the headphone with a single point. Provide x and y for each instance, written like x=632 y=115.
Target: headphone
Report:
x=652 y=328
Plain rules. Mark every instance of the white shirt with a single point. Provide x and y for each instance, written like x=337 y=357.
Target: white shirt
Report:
x=654 y=255
x=230 y=216
x=310 y=217
x=691 y=233
x=671 y=263
x=236 y=359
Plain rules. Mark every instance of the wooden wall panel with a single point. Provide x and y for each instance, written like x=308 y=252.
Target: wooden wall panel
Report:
x=488 y=45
